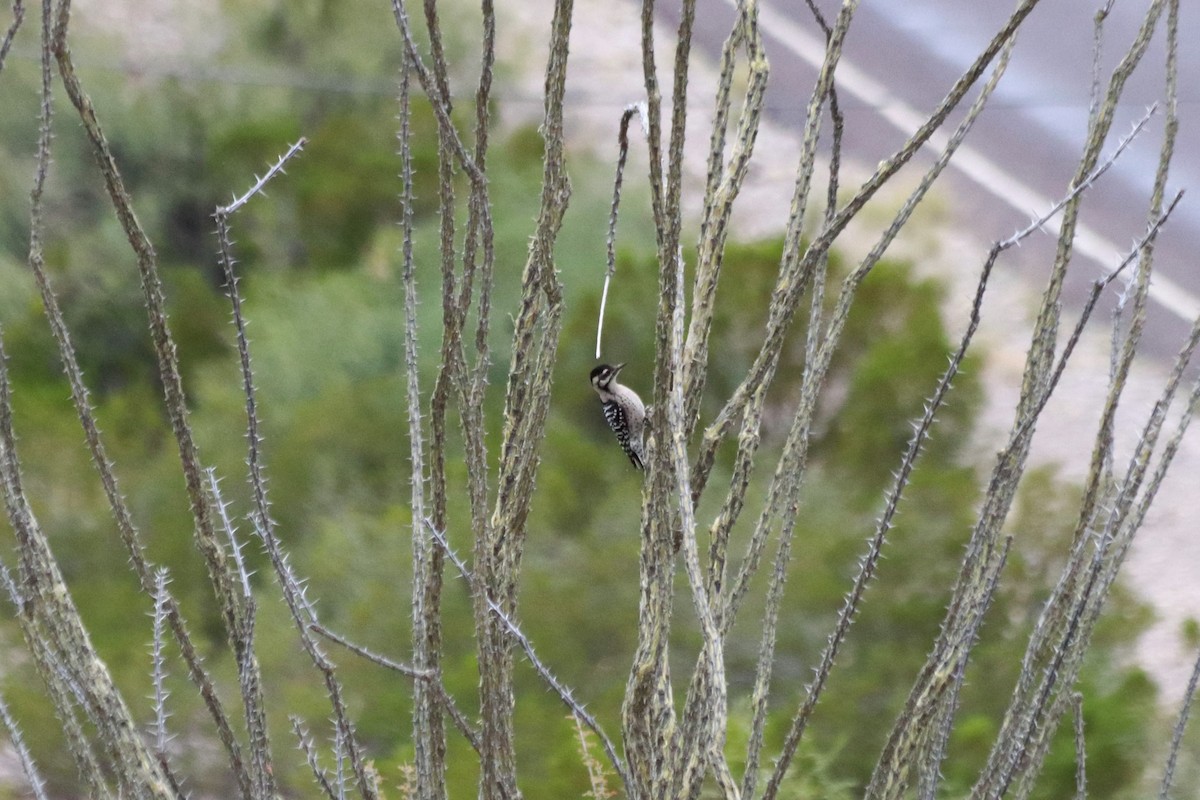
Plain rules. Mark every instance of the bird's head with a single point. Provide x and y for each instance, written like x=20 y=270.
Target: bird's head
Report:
x=604 y=374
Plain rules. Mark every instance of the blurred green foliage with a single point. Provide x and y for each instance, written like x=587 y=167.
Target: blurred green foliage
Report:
x=320 y=259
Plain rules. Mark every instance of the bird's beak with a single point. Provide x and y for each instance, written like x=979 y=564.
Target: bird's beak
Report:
x=618 y=368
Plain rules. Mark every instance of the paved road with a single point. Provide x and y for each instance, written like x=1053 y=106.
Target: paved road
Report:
x=900 y=60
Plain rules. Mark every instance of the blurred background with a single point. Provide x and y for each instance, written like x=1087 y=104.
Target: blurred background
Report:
x=197 y=98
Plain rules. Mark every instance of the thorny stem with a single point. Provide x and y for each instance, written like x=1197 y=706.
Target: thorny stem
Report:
x=1050 y=635
x=512 y=630
x=1080 y=749
x=1177 y=732
x=796 y=267
x=429 y=738
x=438 y=688
x=130 y=536
x=233 y=608
x=791 y=470
x=36 y=784
x=306 y=745
x=18 y=8
x=302 y=612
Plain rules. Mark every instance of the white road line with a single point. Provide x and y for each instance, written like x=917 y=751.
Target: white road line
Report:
x=987 y=174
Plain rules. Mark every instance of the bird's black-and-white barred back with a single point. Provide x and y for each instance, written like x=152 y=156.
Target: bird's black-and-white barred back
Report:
x=618 y=420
